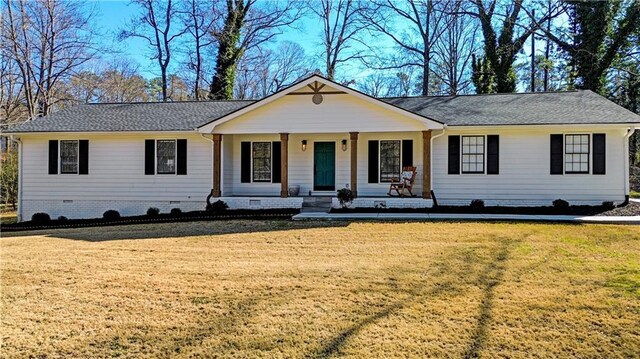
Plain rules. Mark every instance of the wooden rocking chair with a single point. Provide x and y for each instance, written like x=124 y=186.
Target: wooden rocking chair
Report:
x=405 y=182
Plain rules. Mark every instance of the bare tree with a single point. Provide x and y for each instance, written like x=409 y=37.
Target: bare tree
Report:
x=48 y=41
x=376 y=85
x=122 y=82
x=12 y=105
x=246 y=25
x=341 y=21
x=154 y=26
x=269 y=71
x=453 y=50
x=422 y=24
x=199 y=18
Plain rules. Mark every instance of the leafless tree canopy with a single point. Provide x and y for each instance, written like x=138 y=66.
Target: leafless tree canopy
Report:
x=262 y=72
x=46 y=42
x=341 y=25
x=157 y=26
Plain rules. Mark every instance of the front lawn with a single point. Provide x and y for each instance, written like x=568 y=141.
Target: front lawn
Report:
x=321 y=289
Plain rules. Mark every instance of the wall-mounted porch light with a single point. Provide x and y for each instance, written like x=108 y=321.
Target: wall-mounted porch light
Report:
x=304 y=145
x=344 y=145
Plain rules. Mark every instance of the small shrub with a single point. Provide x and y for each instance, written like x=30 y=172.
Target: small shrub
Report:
x=560 y=204
x=217 y=207
x=41 y=217
x=477 y=205
x=153 y=211
x=176 y=211
x=345 y=196
x=111 y=215
x=608 y=205
x=62 y=218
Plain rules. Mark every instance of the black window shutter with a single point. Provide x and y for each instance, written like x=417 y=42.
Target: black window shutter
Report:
x=53 y=157
x=149 y=157
x=181 y=149
x=454 y=155
x=557 y=155
x=493 y=154
x=373 y=161
x=407 y=153
x=83 y=157
x=599 y=154
x=276 y=168
x=245 y=162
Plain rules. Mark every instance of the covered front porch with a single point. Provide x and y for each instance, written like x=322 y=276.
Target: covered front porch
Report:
x=280 y=170
x=315 y=138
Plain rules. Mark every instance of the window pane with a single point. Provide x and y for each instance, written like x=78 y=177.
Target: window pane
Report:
x=577 y=153
x=166 y=156
x=389 y=160
x=68 y=156
x=473 y=154
x=262 y=161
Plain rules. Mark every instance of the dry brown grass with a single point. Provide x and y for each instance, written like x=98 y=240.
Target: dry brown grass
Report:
x=284 y=289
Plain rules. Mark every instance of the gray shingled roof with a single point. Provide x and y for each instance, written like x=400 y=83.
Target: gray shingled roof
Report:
x=143 y=116
x=550 y=108
x=540 y=108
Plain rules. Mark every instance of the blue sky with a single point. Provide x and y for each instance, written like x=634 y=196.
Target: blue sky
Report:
x=114 y=15
x=111 y=16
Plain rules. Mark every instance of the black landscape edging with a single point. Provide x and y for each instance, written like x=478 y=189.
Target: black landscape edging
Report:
x=163 y=218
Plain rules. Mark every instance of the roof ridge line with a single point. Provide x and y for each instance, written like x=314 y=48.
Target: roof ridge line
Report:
x=164 y=102
x=485 y=94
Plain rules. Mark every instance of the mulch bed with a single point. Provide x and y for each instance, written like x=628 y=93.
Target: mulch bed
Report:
x=160 y=218
x=631 y=209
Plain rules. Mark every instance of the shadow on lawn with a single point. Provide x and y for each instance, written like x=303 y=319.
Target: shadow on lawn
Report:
x=176 y=230
x=488 y=279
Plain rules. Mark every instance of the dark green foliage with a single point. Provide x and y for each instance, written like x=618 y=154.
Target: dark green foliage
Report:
x=41 y=217
x=500 y=48
x=229 y=52
x=477 y=205
x=602 y=29
x=176 y=211
x=217 y=207
x=608 y=205
x=560 y=204
x=482 y=75
x=111 y=215
x=153 y=211
x=345 y=196
x=62 y=218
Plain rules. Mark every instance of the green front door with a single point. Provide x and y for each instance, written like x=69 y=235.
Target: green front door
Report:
x=324 y=166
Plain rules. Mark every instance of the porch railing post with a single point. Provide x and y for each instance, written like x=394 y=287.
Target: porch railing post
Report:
x=426 y=164
x=354 y=163
x=217 y=158
x=284 y=165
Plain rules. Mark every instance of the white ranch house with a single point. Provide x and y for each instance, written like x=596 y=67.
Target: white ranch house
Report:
x=319 y=136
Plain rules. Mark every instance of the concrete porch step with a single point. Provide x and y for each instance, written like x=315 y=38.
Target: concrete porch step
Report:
x=316 y=204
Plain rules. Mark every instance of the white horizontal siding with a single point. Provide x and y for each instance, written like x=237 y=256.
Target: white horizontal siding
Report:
x=116 y=171
x=337 y=114
x=524 y=170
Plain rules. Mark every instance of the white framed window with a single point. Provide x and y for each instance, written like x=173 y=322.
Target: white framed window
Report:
x=261 y=161
x=473 y=151
x=69 y=157
x=166 y=156
x=576 y=153
x=390 y=160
